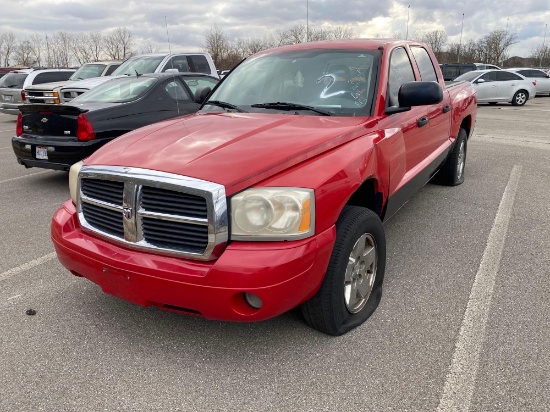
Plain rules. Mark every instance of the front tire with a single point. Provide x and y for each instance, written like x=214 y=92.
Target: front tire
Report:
x=352 y=287
x=520 y=98
x=451 y=172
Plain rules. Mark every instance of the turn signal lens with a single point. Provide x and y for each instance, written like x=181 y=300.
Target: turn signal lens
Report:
x=19 y=125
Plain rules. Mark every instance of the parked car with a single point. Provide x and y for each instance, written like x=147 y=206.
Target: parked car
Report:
x=452 y=70
x=273 y=195
x=49 y=92
x=542 y=78
x=147 y=63
x=56 y=136
x=493 y=86
x=13 y=84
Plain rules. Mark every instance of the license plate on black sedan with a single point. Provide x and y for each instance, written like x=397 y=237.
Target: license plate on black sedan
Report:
x=41 y=152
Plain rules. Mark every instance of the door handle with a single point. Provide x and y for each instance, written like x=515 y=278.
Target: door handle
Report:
x=446 y=108
x=423 y=121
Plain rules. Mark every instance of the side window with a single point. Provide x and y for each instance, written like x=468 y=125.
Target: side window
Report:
x=176 y=90
x=425 y=65
x=195 y=82
x=179 y=63
x=507 y=76
x=489 y=77
x=51 y=77
x=111 y=69
x=401 y=71
x=199 y=64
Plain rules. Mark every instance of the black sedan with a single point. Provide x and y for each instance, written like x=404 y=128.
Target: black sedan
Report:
x=57 y=136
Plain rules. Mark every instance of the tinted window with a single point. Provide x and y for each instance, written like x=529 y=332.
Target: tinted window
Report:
x=195 y=82
x=532 y=73
x=176 y=90
x=13 y=80
x=111 y=69
x=179 y=63
x=200 y=64
x=425 y=65
x=49 y=77
x=489 y=77
x=400 y=72
x=507 y=76
x=468 y=76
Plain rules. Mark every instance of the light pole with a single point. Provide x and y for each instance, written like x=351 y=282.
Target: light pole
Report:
x=408 y=14
x=542 y=52
x=307 y=20
x=460 y=43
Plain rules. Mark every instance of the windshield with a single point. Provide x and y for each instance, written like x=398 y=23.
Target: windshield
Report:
x=341 y=82
x=469 y=76
x=117 y=90
x=88 y=71
x=139 y=65
x=13 y=80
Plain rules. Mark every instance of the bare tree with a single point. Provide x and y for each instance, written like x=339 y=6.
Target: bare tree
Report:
x=496 y=45
x=343 y=32
x=119 y=43
x=436 y=39
x=61 y=50
x=81 y=48
x=24 y=54
x=217 y=44
x=96 y=43
x=541 y=56
x=149 y=47
x=9 y=42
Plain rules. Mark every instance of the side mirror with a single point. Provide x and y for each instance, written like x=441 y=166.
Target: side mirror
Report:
x=417 y=94
x=479 y=81
x=202 y=93
x=420 y=94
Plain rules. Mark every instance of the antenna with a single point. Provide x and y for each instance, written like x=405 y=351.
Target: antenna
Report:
x=172 y=63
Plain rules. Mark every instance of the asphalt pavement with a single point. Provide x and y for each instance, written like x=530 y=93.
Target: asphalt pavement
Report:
x=463 y=324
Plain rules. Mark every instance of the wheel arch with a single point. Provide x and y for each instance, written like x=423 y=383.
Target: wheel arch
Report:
x=368 y=195
x=466 y=124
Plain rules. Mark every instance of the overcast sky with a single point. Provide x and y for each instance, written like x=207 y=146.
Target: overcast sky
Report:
x=188 y=21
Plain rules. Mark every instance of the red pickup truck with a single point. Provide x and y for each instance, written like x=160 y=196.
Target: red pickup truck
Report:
x=273 y=195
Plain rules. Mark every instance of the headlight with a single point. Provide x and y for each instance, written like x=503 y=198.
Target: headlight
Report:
x=51 y=94
x=73 y=180
x=282 y=213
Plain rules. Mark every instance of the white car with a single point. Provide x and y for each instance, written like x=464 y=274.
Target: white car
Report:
x=493 y=86
x=542 y=78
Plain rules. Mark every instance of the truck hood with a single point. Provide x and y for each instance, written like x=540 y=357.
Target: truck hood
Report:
x=90 y=83
x=236 y=150
x=50 y=86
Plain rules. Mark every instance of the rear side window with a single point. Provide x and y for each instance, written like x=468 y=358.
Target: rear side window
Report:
x=176 y=90
x=507 y=76
x=51 y=77
x=13 y=80
x=111 y=69
x=425 y=65
x=195 y=82
x=179 y=63
x=199 y=64
x=401 y=71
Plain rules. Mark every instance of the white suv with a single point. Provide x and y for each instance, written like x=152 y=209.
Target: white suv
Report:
x=13 y=84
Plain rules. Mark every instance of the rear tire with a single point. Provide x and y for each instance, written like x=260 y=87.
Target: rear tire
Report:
x=352 y=287
x=451 y=172
x=520 y=98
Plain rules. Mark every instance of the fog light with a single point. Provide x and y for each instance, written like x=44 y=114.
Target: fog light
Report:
x=253 y=300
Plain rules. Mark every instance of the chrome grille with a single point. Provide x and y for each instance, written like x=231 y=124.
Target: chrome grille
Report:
x=105 y=220
x=161 y=212
x=167 y=201
x=104 y=190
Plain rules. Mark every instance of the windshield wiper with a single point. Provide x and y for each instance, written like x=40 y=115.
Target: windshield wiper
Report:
x=290 y=106
x=225 y=105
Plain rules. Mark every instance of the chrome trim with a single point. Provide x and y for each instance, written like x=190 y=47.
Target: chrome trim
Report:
x=134 y=179
x=101 y=203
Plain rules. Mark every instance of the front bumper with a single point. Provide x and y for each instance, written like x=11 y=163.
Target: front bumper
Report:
x=61 y=154
x=8 y=108
x=282 y=274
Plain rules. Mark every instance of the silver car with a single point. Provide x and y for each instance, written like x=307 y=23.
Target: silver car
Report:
x=542 y=78
x=493 y=86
